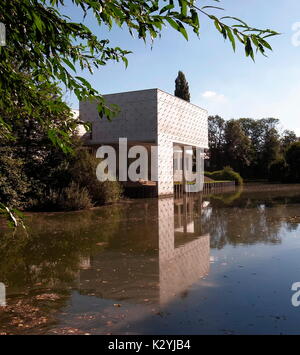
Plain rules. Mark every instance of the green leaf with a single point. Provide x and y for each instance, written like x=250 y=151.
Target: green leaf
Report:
x=125 y=60
x=212 y=7
x=166 y=8
x=84 y=81
x=195 y=18
x=231 y=37
x=183 y=6
x=265 y=43
x=248 y=48
x=183 y=32
x=69 y=64
x=38 y=22
x=173 y=23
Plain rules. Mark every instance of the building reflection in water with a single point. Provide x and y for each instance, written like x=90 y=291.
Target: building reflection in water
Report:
x=178 y=258
x=183 y=251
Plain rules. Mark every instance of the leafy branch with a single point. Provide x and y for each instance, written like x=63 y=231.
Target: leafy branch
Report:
x=51 y=47
x=252 y=38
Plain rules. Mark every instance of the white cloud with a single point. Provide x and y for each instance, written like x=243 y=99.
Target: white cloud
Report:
x=214 y=96
x=209 y=94
x=282 y=104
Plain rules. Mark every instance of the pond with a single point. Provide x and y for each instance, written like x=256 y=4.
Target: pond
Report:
x=218 y=264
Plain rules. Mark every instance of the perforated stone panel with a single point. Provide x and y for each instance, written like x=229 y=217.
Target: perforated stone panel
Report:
x=137 y=118
x=178 y=122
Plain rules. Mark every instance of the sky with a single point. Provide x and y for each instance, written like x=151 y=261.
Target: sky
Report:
x=221 y=81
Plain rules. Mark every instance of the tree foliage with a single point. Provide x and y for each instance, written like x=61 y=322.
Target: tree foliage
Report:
x=182 y=87
x=35 y=174
x=288 y=138
x=278 y=171
x=287 y=168
x=52 y=47
x=292 y=157
x=216 y=141
x=13 y=180
x=83 y=172
x=254 y=148
x=237 y=145
x=226 y=174
x=30 y=163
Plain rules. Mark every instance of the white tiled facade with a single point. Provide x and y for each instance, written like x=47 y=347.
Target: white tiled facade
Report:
x=151 y=116
x=137 y=118
x=178 y=122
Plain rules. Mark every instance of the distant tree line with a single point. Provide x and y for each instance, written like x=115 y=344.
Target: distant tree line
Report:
x=254 y=148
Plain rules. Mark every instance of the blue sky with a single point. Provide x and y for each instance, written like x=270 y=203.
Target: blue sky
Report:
x=221 y=81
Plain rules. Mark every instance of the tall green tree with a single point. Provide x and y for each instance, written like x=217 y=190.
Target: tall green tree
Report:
x=216 y=141
x=292 y=158
x=265 y=144
x=237 y=146
x=271 y=151
x=288 y=137
x=270 y=147
x=30 y=165
x=182 y=87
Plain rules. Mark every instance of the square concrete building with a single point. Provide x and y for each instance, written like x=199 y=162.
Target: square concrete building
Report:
x=150 y=118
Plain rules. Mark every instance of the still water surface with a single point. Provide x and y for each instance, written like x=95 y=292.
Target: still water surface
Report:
x=221 y=264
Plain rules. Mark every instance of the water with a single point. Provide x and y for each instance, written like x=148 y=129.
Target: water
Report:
x=222 y=264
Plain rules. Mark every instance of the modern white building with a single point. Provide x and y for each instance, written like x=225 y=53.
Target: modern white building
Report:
x=151 y=118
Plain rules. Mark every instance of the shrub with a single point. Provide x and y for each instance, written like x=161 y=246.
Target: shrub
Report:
x=83 y=172
x=14 y=184
x=70 y=198
x=48 y=201
x=74 y=198
x=227 y=174
x=107 y=192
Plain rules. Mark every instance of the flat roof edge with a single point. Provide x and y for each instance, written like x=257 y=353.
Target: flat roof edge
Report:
x=155 y=89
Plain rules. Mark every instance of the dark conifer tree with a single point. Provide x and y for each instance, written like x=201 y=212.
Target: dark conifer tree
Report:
x=182 y=87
